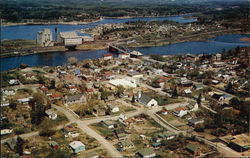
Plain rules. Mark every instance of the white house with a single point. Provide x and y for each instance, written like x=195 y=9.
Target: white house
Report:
x=135 y=74
x=9 y=92
x=113 y=108
x=25 y=100
x=122 y=118
x=6 y=131
x=51 y=114
x=146 y=100
x=70 y=131
x=107 y=56
x=5 y=103
x=13 y=82
x=194 y=107
x=109 y=124
x=77 y=146
x=180 y=111
x=187 y=91
x=123 y=55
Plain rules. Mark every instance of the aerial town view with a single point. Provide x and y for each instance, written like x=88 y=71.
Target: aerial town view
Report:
x=125 y=78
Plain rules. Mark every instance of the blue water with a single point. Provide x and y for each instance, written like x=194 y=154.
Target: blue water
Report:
x=29 y=31
x=214 y=45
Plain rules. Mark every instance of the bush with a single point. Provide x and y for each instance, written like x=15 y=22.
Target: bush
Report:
x=21 y=131
x=47 y=133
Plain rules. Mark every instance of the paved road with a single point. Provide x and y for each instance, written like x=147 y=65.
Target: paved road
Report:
x=83 y=125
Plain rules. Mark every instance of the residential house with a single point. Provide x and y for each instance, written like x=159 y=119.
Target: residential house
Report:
x=135 y=74
x=43 y=88
x=70 y=131
x=4 y=102
x=30 y=76
x=76 y=98
x=164 y=112
x=123 y=55
x=51 y=114
x=159 y=137
x=109 y=124
x=146 y=100
x=193 y=149
x=112 y=108
x=25 y=100
x=56 y=96
x=9 y=92
x=72 y=88
x=54 y=145
x=198 y=86
x=13 y=82
x=193 y=106
x=107 y=56
x=77 y=146
x=195 y=121
x=187 y=91
x=180 y=111
x=6 y=131
x=125 y=145
x=219 y=96
x=146 y=153
x=185 y=82
x=240 y=142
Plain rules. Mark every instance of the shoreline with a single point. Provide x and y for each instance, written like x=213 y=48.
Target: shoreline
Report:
x=102 y=45
x=8 y=24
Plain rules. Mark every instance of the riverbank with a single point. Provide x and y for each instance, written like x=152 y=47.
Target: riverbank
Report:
x=190 y=38
x=5 y=24
x=51 y=23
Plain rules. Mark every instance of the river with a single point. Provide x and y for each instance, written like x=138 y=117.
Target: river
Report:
x=213 y=45
x=29 y=32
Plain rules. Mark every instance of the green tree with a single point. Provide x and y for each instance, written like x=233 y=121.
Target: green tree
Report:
x=174 y=92
x=19 y=145
x=13 y=104
x=38 y=114
x=229 y=88
x=52 y=84
x=120 y=90
x=104 y=95
x=199 y=99
x=133 y=99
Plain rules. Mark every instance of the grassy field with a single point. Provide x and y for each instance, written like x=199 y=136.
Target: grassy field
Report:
x=104 y=131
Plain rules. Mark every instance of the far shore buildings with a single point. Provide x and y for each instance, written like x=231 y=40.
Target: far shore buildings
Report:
x=44 y=38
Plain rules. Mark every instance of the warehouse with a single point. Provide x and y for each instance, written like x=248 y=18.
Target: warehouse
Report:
x=69 y=38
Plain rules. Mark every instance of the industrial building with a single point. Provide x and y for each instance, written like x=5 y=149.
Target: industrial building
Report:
x=69 y=38
x=44 y=38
